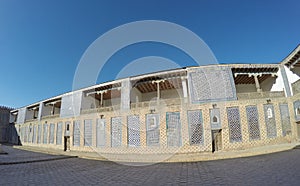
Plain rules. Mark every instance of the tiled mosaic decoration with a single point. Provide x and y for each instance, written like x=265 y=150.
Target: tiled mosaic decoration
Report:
x=173 y=129
x=76 y=133
x=116 y=131
x=195 y=122
x=297 y=109
x=100 y=136
x=234 y=124
x=34 y=134
x=73 y=100
x=285 y=119
x=51 y=140
x=205 y=84
x=253 y=124
x=152 y=127
x=26 y=134
x=133 y=124
x=59 y=133
x=270 y=121
x=45 y=134
x=39 y=133
x=88 y=136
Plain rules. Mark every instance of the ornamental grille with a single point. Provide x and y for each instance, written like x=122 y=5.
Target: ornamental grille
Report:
x=234 y=124
x=88 y=136
x=34 y=134
x=45 y=134
x=285 y=119
x=23 y=134
x=173 y=129
x=39 y=133
x=253 y=124
x=29 y=134
x=26 y=134
x=270 y=121
x=51 y=140
x=59 y=133
x=297 y=109
x=195 y=122
x=205 y=84
x=100 y=132
x=116 y=131
x=152 y=127
x=76 y=133
x=133 y=131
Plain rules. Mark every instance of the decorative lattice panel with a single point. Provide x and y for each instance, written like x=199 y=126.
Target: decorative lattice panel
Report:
x=100 y=128
x=34 y=134
x=116 y=131
x=285 y=119
x=234 y=124
x=253 y=124
x=297 y=110
x=51 y=135
x=215 y=118
x=152 y=127
x=133 y=124
x=195 y=122
x=211 y=84
x=39 y=137
x=59 y=133
x=23 y=134
x=173 y=129
x=45 y=133
x=26 y=134
x=71 y=105
x=270 y=121
x=76 y=133
x=88 y=135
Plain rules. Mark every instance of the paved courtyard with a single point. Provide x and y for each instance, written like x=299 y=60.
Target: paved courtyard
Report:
x=281 y=168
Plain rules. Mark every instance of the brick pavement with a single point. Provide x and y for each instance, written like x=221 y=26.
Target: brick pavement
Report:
x=282 y=168
x=14 y=156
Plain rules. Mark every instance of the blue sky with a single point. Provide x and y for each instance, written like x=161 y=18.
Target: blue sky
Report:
x=41 y=42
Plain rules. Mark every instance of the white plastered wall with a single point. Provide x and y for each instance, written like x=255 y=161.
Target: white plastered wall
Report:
x=279 y=85
x=291 y=77
x=244 y=88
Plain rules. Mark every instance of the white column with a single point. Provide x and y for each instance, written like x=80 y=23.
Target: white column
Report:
x=257 y=85
x=158 y=88
x=184 y=88
x=125 y=94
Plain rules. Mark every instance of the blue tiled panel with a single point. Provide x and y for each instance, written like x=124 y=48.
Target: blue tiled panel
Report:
x=208 y=84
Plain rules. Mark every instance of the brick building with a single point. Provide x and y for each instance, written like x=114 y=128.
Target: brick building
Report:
x=190 y=110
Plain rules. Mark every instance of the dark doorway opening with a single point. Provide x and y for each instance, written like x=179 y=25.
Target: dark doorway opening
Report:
x=67 y=143
x=216 y=140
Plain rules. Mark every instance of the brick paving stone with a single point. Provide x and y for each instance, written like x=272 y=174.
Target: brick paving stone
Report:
x=281 y=168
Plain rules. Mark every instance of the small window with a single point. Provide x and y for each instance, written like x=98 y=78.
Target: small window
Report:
x=270 y=113
x=215 y=119
x=152 y=122
x=68 y=127
x=298 y=111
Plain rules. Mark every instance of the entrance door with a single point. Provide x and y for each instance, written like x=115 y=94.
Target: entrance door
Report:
x=216 y=140
x=67 y=143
